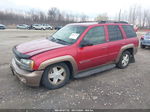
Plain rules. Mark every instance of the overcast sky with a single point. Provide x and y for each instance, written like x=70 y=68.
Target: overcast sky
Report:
x=89 y=7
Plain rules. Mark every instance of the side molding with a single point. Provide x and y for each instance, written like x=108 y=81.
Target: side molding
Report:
x=124 y=48
x=60 y=59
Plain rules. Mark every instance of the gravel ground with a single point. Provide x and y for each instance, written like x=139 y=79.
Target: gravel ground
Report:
x=114 y=89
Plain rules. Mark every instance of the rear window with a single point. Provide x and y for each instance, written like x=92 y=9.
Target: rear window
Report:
x=130 y=33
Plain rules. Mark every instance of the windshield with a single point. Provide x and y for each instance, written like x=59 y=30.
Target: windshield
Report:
x=68 y=34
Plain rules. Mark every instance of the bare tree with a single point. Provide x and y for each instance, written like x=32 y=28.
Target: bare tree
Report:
x=147 y=16
x=53 y=14
x=119 y=17
x=83 y=17
x=134 y=15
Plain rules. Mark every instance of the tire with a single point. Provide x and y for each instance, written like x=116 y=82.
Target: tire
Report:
x=142 y=46
x=124 y=60
x=52 y=79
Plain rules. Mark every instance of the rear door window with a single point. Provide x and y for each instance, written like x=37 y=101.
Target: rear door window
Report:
x=130 y=33
x=114 y=33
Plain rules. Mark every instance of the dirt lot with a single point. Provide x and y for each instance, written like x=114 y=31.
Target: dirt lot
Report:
x=117 y=88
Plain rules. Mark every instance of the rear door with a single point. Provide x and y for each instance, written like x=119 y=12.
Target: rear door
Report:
x=91 y=56
x=116 y=41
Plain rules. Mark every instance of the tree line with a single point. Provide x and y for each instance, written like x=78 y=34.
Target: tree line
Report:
x=53 y=16
x=134 y=15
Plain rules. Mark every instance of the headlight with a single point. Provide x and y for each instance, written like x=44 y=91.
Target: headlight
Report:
x=27 y=62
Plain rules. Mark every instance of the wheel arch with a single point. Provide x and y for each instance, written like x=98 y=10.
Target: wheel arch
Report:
x=68 y=60
x=130 y=47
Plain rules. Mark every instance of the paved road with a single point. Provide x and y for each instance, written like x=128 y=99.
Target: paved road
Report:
x=116 y=88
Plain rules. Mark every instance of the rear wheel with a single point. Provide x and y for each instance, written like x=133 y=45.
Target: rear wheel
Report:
x=124 y=60
x=56 y=76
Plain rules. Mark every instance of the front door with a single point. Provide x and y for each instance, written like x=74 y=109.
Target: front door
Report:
x=95 y=54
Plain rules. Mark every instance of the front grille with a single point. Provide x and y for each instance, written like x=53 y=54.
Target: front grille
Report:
x=18 y=57
x=17 y=61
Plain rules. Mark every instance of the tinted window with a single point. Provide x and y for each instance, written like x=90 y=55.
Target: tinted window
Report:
x=129 y=31
x=96 y=35
x=114 y=33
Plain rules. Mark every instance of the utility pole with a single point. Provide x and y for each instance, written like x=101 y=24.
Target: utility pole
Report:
x=119 y=15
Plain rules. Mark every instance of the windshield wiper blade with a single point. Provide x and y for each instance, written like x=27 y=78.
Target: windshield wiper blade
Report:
x=61 y=40
x=58 y=40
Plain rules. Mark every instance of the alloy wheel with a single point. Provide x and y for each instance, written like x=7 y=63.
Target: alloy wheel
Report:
x=57 y=75
x=125 y=60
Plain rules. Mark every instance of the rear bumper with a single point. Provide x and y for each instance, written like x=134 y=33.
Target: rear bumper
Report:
x=28 y=78
x=145 y=42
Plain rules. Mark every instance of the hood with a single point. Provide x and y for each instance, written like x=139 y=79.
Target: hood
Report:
x=37 y=46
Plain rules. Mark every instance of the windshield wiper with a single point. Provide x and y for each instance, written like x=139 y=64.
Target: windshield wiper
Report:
x=62 y=41
x=58 y=40
x=51 y=38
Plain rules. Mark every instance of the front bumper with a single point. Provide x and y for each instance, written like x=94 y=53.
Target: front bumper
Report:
x=28 y=78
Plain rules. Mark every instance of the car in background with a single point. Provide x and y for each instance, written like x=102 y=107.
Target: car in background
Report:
x=47 y=27
x=42 y=27
x=31 y=26
x=35 y=26
x=22 y=26
x=2 y=26
x=145 y=40
x=58 y=27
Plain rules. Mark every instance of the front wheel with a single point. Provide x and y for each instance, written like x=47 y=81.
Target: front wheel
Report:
x=124 y=60
x=56 y=76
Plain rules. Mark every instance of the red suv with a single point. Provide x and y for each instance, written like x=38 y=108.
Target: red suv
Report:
x=77 y=50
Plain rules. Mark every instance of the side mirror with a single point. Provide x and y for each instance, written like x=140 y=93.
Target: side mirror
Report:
x=85 y=43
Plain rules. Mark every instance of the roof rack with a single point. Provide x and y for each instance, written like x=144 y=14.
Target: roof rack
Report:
x=102 y=22
x=86 y=21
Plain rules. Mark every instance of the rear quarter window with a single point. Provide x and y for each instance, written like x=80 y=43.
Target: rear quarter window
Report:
x=130 y=33
x=114 y=33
